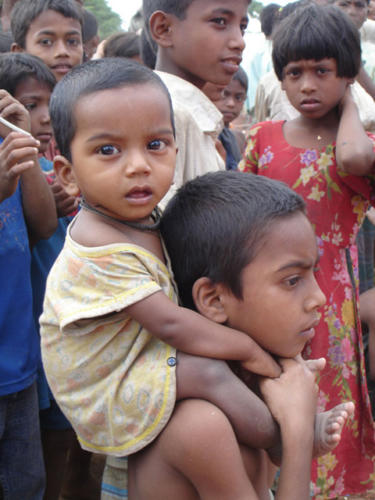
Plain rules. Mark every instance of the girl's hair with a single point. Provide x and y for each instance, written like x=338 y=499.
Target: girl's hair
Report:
x=15 y=67
x=216 y=224
x=267 y=18
x=241 y=77
x=88 y=78
x=26 y=11
x=123 y=44
x=317 y=32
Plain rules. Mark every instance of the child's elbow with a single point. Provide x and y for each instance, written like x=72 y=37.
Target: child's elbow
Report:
x=357 y=163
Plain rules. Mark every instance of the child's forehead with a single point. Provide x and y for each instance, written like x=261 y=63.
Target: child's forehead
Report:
x=51 y=20
x=31 y=85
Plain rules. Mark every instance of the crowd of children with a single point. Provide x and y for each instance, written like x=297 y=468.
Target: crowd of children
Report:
x=199 y=327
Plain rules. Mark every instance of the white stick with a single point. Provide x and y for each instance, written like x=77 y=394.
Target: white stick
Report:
x=13 y=127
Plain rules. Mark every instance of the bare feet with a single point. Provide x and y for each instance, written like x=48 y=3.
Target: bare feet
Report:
x=329 y=426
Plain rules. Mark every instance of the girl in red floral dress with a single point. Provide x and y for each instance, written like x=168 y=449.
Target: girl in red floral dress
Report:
x=327 y=157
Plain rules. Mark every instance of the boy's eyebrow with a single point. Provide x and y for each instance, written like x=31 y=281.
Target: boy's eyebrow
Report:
x=303 y=264
x=108 y=135
x=228 y=12
x=51 y=32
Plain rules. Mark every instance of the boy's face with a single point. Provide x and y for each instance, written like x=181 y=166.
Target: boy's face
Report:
x=207 y=44
x=228 y=100
x=57 y=40
x=313 y=87
x=123 y=151
x=355 y=9
x=35 y=97
x=281 y=297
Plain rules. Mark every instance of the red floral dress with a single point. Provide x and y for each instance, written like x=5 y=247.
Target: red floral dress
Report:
x=336 y=204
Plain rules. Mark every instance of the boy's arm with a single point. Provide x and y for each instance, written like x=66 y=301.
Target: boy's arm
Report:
x=354 y=149
x=292 y=399
x=37 y=199
x=192 y=333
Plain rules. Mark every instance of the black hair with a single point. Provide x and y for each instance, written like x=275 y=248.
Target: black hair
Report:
x=317 y=32
x=26 y=11
x=6 y=41
x=88 y=78
x=89 y=26
x=176 y=7
x=267 y=18
x=149 y=49
x=15 y=67
x=123 y=44
x=241 y=76
x=215 y=224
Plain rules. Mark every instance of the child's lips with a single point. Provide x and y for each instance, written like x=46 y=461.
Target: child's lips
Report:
x=139 y=195
x=61 y=68
x=310 y=104
x=231 y=64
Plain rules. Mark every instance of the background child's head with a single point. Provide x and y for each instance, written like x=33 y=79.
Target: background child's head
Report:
x=29 y=80
x=123 y=44
x=317 y=32
x=267 y=17
x=89 y=78
x=188 y=44
x=216 y=224
x=90 y=35
x=229 y=100
x=51 y=30
x=356 y=10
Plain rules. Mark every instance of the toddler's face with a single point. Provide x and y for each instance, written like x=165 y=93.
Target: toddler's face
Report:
x=281 y=297
x=123 y=151
x=35 y=97
x=57 y=40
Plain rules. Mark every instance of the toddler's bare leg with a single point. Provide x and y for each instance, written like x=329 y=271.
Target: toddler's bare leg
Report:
x=195 y=457
x=214 y=381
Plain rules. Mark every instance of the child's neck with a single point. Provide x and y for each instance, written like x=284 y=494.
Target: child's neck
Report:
x=168 y=66
x=305 y=132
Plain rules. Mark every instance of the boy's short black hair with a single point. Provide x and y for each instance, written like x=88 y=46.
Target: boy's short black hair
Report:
x=88 y=78
x=176 y=7
x=26 y=11
x=241 y=77
x=89 y=25
x=215 y=225
x=317 y=32
x=123 y=44
x=15 y=67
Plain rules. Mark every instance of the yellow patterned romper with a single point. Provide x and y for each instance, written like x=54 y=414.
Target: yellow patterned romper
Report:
x=113 y=380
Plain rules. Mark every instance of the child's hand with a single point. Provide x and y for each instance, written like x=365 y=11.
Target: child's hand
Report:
x=18 y=153
x=13 y=111
x=262 y=363
x=292 y=397
x=220 y=149
x=65 y=204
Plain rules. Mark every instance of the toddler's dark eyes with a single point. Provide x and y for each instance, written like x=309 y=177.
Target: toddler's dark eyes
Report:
x=156 y=145
x=108 y=150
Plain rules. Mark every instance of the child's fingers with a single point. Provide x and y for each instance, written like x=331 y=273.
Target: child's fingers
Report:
x=20 y=168
x=315 y=365
x=19 y=155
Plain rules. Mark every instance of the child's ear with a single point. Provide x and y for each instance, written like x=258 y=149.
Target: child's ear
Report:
x=207 y=299
x=64 y=172
x=160 y=28
x=16 y=48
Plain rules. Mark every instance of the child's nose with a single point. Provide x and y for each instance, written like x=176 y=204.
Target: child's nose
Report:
x=136 y=164
x=307 y=83
x=317 y=298
x=61 y=48
x=237 y=41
